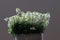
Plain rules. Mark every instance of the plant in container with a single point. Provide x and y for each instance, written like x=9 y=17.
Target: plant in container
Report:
x=28 y=25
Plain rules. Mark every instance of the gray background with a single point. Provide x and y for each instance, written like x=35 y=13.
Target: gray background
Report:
x=7 y=8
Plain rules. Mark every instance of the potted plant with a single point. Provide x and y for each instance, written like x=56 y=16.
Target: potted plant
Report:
x=28 y=25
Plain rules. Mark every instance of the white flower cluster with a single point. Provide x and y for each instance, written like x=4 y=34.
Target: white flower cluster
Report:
x=29 y=17
x=36 y=17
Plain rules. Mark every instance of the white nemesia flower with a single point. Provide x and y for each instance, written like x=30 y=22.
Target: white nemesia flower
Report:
x=37 y=13
x=6 y=19
x=32 y=28
x=47 y=16
x=17 y=10
x=46 y=23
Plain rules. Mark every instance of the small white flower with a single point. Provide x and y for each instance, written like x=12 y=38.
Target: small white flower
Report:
x=23 y=14
x=46 y=23
x=34 y=13
x=26 y=16
x=6 y=19
x=37 y=13
x=47 y=15
x=32 y=28
x=36 y=20
x=10 y=19
x=17 y=10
